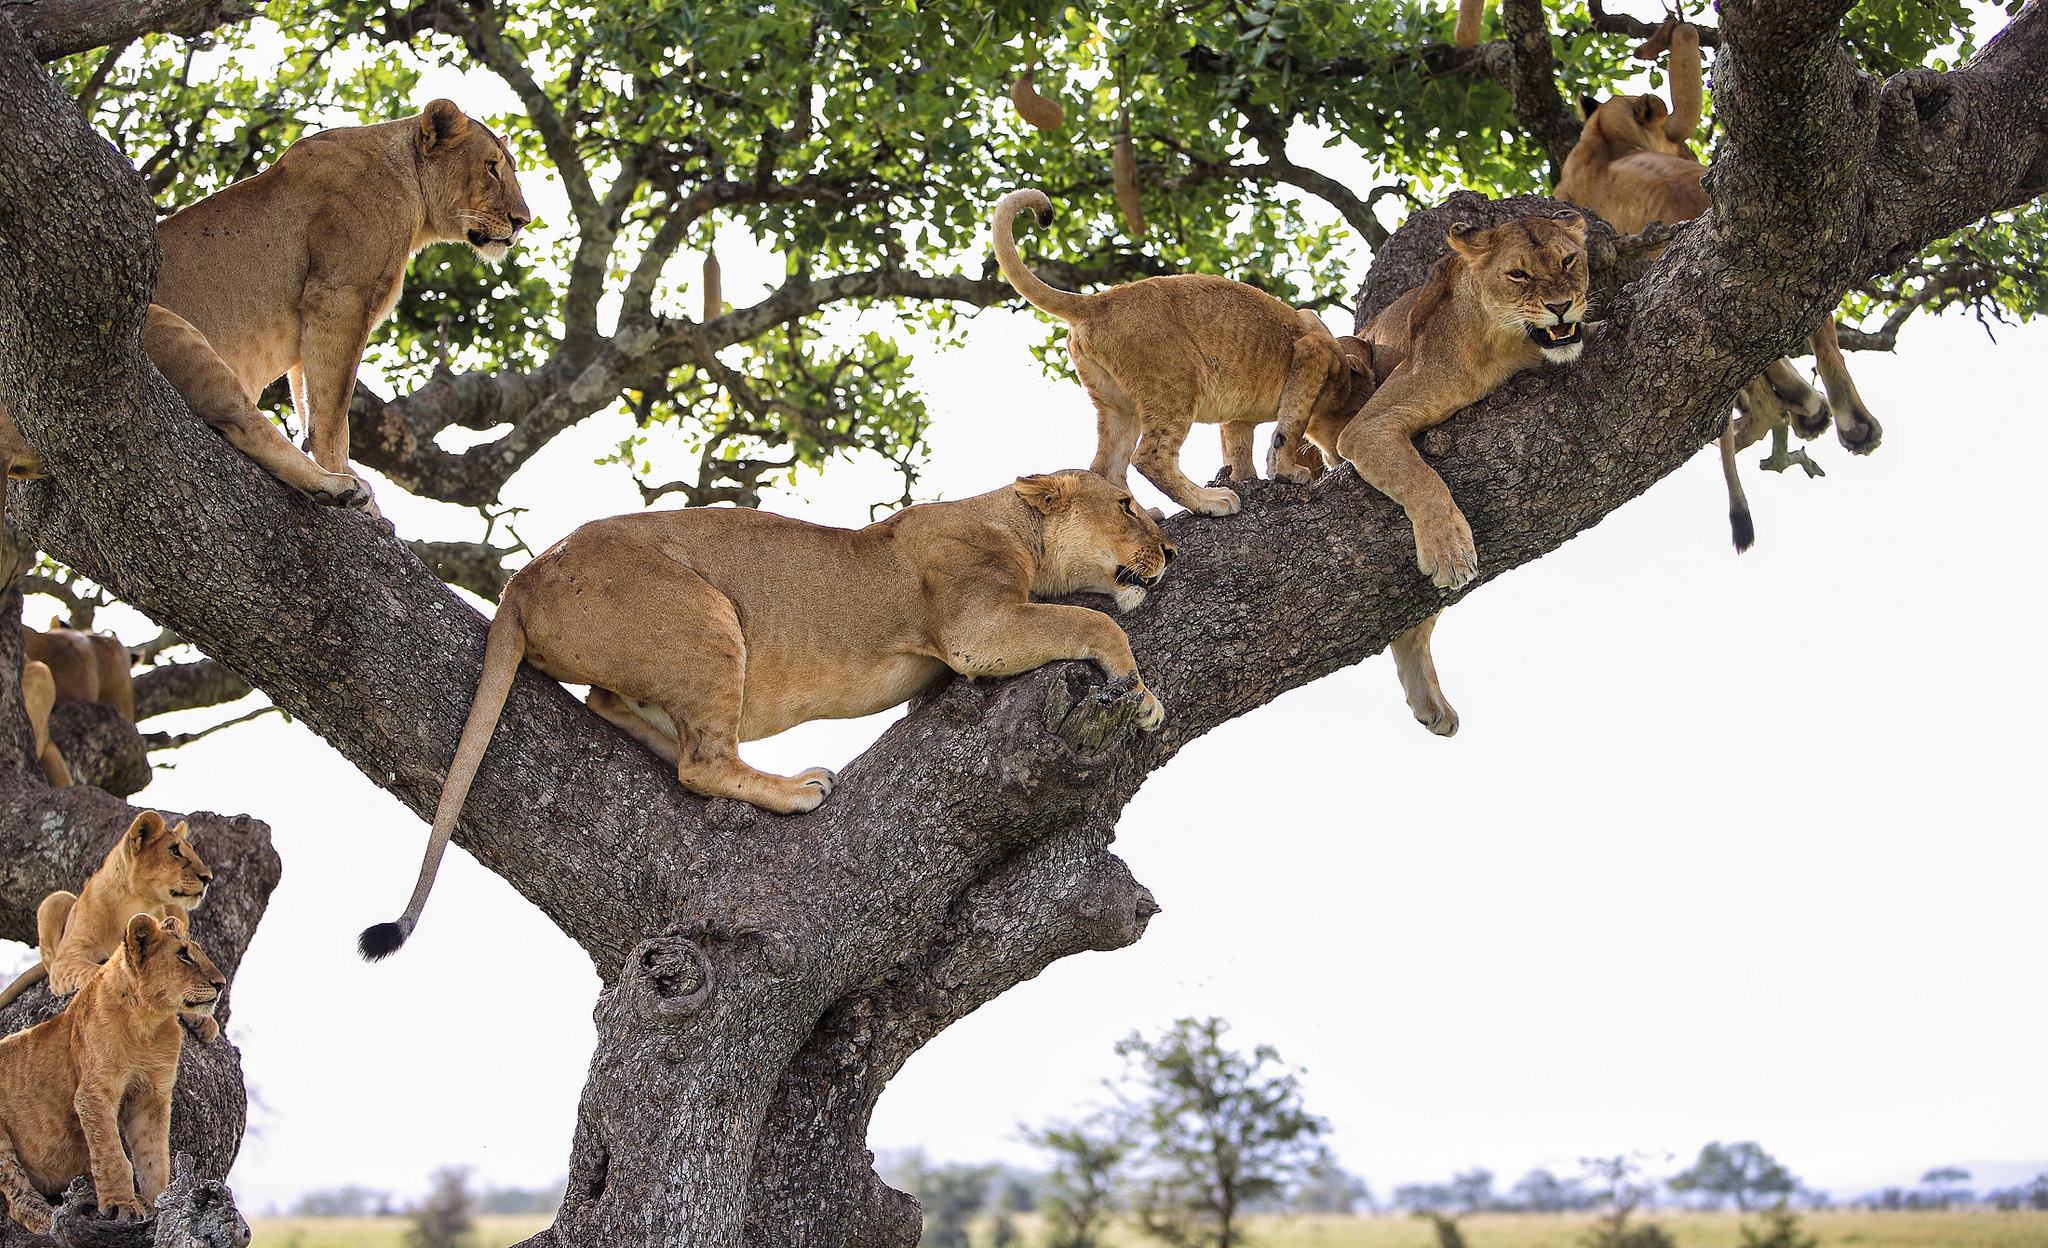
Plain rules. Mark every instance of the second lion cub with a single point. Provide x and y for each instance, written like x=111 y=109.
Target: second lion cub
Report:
x=1161 y=354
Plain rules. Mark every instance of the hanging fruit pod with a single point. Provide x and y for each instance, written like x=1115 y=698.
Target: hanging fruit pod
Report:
x=1685 y=84
x=1124 y=167
x=714 y=293
x=1035 y=108
x=1466 y=35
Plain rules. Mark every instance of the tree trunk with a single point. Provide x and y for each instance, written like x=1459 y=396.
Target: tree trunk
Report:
x=765 y=976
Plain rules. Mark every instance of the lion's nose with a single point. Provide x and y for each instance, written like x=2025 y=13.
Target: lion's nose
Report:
x=206 y=877
x=219 y=984
x=1559 y=309
x=1167 y=550
x=518 y=222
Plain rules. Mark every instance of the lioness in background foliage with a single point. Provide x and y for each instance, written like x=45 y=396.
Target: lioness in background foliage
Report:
x=75 y=1088
x=703 y=628
x=288 y=272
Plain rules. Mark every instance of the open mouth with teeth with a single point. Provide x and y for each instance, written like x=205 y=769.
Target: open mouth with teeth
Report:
x=1557 y=335
x=477 y=238
x=1127 y=575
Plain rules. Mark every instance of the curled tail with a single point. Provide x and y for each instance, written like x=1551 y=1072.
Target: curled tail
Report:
x=502 y=655
x=1064 y=304
x=26 y=980
x=1738 y=503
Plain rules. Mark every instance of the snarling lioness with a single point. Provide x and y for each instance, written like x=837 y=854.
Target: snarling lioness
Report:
x=1502 y=300
x=76 y=1088
x=288 y=272
x=700 y=629
x=151 y=870
x=1160 y=355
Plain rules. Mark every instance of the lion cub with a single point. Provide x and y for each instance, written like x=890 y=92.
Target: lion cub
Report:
x=700 y=629
x=151 y=870
x=1161 y=354
x=76 y=1088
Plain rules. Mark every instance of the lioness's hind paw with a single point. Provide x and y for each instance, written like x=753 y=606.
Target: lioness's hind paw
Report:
x=1858 y=431
x=822 y=778
x=1446 y=553
x=1217 y=502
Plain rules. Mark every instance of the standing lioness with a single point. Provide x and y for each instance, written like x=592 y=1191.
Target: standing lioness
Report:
x=700 y=629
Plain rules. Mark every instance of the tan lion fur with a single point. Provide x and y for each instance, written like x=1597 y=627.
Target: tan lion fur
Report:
x=1632 y=165
x=287 y=273
x=76 y=1088
x=151 y=870
x=1158 y=356
x=1446 y=344
x=703 y=628
x=85 y=666
x=38 y=696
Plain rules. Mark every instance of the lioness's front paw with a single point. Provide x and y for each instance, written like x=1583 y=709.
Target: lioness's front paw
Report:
x=123 y=1209
x=1216 y=502
x=1435 y=714
x=339 y=489
x=1445 y=552
x=200 y=1027
x=1150 y=713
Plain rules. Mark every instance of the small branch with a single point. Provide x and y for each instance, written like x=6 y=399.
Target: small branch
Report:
x=170 y=687
x=174 y=740
x=478 y=567
x=1622 y=24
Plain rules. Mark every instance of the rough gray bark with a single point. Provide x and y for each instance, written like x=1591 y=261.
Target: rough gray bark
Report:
x=57 y=28
x=101 y=748
x=765 y=976
x=185 y=686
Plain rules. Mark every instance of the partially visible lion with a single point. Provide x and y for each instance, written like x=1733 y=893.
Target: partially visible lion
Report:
x=289 y=271
x=77 y=1088
x=38 y=695
x=151 y=870
x=1160 y=355
x=1502 y=300
x=85 y=666
x=1632 y=165
x=703 y=628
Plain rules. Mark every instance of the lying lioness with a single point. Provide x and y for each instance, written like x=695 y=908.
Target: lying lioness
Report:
x=700 y=629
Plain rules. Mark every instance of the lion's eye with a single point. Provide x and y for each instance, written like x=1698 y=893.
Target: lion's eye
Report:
x=176 y=852
x=185 y=956
x=1125 y=503
x=492 y=167
x=1519 y=275
x=1569 y=261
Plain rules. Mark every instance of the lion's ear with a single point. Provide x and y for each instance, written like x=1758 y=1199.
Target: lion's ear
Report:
x=1044 y=491
x=1466 y=238
x=1587 y=107
x=1571 y=221
x=441 y=123
x=173 y=924
x=148 y=826
x=1649 y=109
x=141 y=936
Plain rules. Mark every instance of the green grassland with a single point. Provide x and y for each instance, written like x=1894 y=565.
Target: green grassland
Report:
x=1834 y=1229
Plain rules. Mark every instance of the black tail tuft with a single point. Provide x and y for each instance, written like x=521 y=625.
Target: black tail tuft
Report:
x=1738 y=520
x=1044 y=216
x=381 y=941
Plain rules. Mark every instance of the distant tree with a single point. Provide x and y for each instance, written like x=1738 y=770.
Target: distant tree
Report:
x=1540 y=1191
x=1330 y=1188
x=1216 y=1130
x=1945 y=1186
x=1080 y=1193
x=1781 y=1230
x=951 y=1195
x=443 y=1219
x=1742 y=1171
x=2032 y=1195
x=1620 y=1190
x=1422 y=1198
x=1473 y=1190
x=523 y=1200
x=344 y=1202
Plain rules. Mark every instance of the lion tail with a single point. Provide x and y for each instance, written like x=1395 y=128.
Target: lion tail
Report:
x=1064 y=304
x=1738 y=503
x=502 y=655
x=26 y=980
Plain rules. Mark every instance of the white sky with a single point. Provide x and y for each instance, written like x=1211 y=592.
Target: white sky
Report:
x=1727 y=848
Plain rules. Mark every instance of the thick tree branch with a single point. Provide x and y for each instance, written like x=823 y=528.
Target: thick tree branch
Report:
x=172 y=687
x=60 y=28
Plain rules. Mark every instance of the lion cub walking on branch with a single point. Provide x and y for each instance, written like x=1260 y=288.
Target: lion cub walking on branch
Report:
x=151 y=870
x=77 y=1087
x=703 y=628
x=1159 y=355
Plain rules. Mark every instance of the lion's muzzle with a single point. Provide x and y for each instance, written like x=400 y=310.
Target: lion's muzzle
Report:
x=1563 y=334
